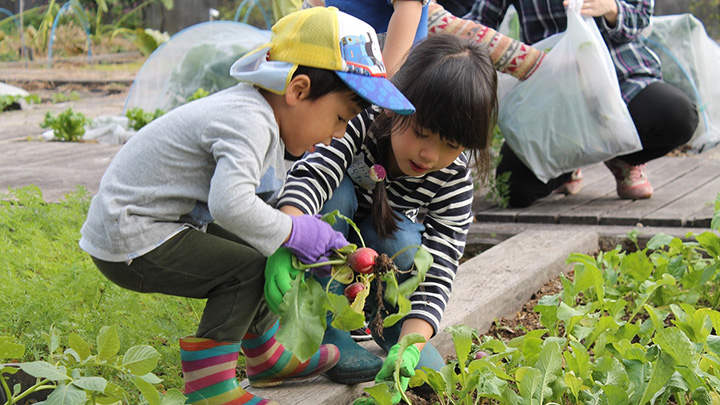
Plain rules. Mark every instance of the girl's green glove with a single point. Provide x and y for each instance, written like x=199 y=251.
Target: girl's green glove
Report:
x=279 y=273
x=410 y=359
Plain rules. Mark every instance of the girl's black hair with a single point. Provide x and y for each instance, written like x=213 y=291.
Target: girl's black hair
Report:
x=323 y=82
x=453 y=85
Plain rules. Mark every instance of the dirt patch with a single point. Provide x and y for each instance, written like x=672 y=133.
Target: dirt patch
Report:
x=525 y=319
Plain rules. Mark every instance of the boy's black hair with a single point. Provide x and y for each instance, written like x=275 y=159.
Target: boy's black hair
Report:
x=323 y=82
x=453 y=85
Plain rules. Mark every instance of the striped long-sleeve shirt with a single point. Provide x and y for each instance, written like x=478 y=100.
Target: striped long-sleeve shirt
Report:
x=446 y=195
x=635 y=64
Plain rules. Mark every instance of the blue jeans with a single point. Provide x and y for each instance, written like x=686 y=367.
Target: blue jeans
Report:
x=409 y=233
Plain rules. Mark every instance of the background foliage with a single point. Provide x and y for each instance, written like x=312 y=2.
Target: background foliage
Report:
x=48 y=281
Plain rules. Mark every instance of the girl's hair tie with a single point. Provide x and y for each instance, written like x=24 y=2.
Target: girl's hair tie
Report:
x=377 y=173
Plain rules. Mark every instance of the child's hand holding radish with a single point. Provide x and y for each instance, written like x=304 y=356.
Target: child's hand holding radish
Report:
x=312 y=239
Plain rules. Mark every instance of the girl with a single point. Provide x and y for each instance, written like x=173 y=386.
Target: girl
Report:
x=452 y=83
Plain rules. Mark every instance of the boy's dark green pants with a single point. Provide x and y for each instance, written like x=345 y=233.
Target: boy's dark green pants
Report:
x=217 y=265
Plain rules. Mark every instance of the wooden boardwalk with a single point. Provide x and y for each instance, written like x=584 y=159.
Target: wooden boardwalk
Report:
x=685 y=188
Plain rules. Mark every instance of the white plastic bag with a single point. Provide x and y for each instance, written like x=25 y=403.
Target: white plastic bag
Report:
x=570 y=112
x=199 y=56
x=690 y=59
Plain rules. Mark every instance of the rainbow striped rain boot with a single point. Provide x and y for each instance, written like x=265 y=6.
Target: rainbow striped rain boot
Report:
x=268 y=363
x=209 y=370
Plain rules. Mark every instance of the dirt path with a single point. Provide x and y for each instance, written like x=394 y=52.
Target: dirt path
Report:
x=56 y=167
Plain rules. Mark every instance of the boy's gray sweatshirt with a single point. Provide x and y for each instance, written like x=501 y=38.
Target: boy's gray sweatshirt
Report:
x=218 y=158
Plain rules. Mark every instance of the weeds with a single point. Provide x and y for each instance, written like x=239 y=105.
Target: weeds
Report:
x=48 y=280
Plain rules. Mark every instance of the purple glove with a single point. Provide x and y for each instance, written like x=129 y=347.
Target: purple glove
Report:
x=312 y=239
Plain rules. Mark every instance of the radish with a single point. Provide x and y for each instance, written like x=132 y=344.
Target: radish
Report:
x=353 y=290
x=480 y=354
x=362 y=260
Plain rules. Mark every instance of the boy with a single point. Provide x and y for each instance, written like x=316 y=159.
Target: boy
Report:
x=185 y=208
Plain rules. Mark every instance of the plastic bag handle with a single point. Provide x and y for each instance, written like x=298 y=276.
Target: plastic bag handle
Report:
x=575 y=6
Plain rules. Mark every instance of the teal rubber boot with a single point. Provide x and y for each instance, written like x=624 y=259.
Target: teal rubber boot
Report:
x=356 y=364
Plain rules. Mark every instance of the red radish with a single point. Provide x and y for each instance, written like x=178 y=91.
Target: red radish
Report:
x=481 y=354
x=362 y=260
x=353 y=290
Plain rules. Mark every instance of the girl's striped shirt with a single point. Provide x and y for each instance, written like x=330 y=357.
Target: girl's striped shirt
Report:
x=445 y=197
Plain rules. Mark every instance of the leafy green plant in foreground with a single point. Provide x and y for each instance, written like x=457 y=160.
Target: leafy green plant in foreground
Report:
x=75 y=373
x=630 y=328
x=47 y=280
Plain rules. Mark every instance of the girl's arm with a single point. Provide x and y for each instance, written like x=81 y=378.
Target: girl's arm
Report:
x=448 y=219
x=290 y=210
x=417 y=325
x=508 y=55
x=401 y=33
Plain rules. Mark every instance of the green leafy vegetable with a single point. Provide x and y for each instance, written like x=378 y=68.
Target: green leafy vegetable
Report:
x=67 y=126
x=139 y=117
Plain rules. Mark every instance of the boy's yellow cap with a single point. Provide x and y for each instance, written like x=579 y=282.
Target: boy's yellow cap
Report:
x=325 y=38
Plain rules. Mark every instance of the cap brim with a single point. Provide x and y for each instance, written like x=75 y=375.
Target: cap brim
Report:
x=379 y=91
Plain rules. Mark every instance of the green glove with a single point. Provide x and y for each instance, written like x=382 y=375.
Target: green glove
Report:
x=410 y=359
x=279 y=273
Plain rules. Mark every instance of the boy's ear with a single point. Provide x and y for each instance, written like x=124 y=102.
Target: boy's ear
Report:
x=298 y=89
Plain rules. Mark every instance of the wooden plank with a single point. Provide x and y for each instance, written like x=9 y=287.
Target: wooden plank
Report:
x=702 y=217
x=497 y=214
x=660 y=171
x=545 y=210
x=597 y=202
x=682 y=210
x=548 y=209
x=635 y=211
x=713 y=154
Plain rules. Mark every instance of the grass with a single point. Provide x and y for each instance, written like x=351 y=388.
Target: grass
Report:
x=47 y=281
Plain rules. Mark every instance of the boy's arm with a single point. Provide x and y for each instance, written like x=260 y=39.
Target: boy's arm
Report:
x=401 y=32
x=508 y=55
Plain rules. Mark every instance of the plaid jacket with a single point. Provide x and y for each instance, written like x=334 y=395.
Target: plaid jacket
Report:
x=635 y=64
